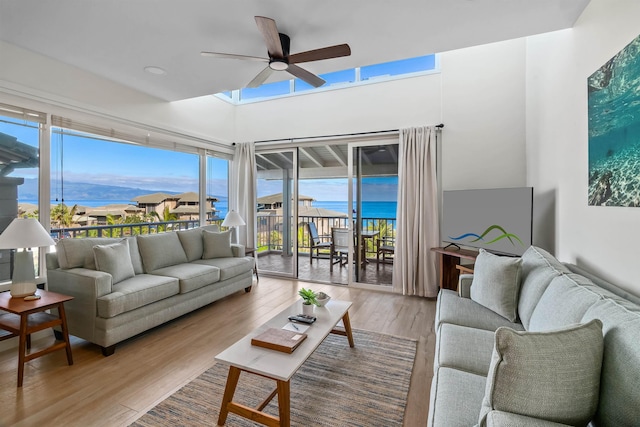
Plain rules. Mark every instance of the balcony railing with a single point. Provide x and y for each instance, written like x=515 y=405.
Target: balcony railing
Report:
x=122 y=230
x=270 y=237
x=269 y=230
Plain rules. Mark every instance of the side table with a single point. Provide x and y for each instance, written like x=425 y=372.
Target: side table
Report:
x=23 y=318
x=252 y=251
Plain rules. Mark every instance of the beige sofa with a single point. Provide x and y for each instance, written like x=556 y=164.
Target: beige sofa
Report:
x=122 y=287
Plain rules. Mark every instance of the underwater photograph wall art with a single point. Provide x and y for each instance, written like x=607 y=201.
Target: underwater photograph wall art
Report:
x=614 y=130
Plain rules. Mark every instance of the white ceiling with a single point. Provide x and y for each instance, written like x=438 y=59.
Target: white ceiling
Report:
x=117 y=39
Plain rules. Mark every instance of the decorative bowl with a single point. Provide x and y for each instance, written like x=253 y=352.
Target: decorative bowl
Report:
x=322 y=298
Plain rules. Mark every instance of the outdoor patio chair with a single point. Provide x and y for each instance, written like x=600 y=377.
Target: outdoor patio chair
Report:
x=340 y=246
x=316 y=242
x=385 y=246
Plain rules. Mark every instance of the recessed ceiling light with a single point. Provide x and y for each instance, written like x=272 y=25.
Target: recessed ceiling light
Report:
x=155 y=70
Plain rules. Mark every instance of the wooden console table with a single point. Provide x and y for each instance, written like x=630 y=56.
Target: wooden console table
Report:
x=449 y=262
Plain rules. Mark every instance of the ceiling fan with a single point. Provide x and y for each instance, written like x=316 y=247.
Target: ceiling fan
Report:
x=279 y=58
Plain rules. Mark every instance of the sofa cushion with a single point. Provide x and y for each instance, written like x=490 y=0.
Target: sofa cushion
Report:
x=115 y=260
x=450 y=308
x=464 y=348
x=551 y=375
x=191 y=276
x=508 y=419
x=136 y=259
x=539 y=267
x=136 y=292
x=191 y=241
x=456 y=398
x=564 y=302
x=161 y=250
x=75 y=253
x=620 y=378
x=229 y=267
x=217 y=245
x=496 y=283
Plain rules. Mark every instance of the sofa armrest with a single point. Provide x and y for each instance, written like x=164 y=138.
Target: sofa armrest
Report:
x=85 y=286
x=237 y=249
x=464 y=285
x=52 y=260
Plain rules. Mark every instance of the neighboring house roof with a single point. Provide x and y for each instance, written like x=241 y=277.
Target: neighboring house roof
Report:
x=191 y=197
x=275 y=198
x=189 y=209
x=155 y=198
x=114 y=210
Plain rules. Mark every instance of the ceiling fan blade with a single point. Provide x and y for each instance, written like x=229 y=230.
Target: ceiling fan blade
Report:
x=323 y=53
x=305 y=75
x=269 y=30
x=233 y=56
x=260 y=78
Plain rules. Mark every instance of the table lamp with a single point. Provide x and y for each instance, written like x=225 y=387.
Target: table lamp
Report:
x=24 y=233
x=233 y=220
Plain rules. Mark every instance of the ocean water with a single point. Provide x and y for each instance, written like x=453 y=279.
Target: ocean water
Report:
x=369 y=209
x=614 y=130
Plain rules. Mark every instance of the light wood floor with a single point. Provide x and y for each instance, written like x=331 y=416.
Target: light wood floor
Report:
x=115 y=391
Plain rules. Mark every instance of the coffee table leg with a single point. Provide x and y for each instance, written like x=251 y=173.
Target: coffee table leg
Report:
x=229 y=390
x=284 y=403
x=347 y=328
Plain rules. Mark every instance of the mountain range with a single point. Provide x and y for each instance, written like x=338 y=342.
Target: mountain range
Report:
x=85 y=191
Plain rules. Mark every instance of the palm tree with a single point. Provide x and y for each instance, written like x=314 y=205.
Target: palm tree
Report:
x=62 y=217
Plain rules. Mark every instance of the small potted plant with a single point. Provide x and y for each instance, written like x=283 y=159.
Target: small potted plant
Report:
x=308 y=300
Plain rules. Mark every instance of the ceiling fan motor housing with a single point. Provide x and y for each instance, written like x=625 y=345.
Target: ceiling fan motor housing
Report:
x=281 y=64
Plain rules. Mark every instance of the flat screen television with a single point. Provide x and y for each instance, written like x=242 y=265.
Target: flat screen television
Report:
x=498 y=219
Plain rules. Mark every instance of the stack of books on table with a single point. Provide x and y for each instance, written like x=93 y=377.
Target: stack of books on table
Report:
x=279 y=339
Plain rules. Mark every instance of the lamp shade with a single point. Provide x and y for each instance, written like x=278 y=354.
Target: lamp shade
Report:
x=25 y=233
x=233 y=219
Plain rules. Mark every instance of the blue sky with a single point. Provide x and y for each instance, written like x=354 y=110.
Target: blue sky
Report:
x=96 y=161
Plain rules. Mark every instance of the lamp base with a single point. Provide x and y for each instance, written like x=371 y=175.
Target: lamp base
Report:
x=22 y=289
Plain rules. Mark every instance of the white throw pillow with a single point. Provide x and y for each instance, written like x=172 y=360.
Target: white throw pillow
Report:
x=114 y=259
x=217 y=245
x=553 y=375
x=496 y=283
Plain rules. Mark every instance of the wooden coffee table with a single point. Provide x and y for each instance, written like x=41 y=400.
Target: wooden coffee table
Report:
x=278 y=366
x=26 y=317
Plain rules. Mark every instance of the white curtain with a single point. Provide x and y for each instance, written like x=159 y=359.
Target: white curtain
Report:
x=242 y=191
x=414 y=266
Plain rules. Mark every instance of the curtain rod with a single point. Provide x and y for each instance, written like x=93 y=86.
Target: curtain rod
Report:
x=438 y=126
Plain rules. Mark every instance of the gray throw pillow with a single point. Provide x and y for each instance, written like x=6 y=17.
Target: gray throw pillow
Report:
x=496 y=283
x=217 y=245
x=114 y=259
x=191 y=241
x=554 y=375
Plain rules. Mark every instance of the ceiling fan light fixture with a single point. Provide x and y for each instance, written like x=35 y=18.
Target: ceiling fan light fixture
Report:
x=278 y=65
x=152 y=69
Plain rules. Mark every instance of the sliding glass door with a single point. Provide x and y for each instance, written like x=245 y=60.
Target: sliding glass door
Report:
x=277 y=212
x=373 y=174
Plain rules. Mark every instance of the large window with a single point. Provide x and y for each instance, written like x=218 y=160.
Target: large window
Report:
x=19 y=179
x=218 y=187
x=338 y=79
x=97 y=182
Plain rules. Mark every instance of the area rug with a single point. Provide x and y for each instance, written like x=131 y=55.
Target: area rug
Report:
x=337 y=386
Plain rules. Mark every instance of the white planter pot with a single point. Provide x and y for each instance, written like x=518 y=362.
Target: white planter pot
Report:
x=307 y=309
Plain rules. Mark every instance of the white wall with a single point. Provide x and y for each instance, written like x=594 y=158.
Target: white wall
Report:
x=479 y=96
x=483 y=109
x=600 y=239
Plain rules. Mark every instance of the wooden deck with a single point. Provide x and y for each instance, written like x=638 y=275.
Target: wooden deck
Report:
x=318 y=269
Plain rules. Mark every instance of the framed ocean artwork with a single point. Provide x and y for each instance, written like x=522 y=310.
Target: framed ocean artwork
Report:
x=614 y=130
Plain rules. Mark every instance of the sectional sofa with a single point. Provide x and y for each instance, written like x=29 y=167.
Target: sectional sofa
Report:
x=529 y=342
x=122 y=287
